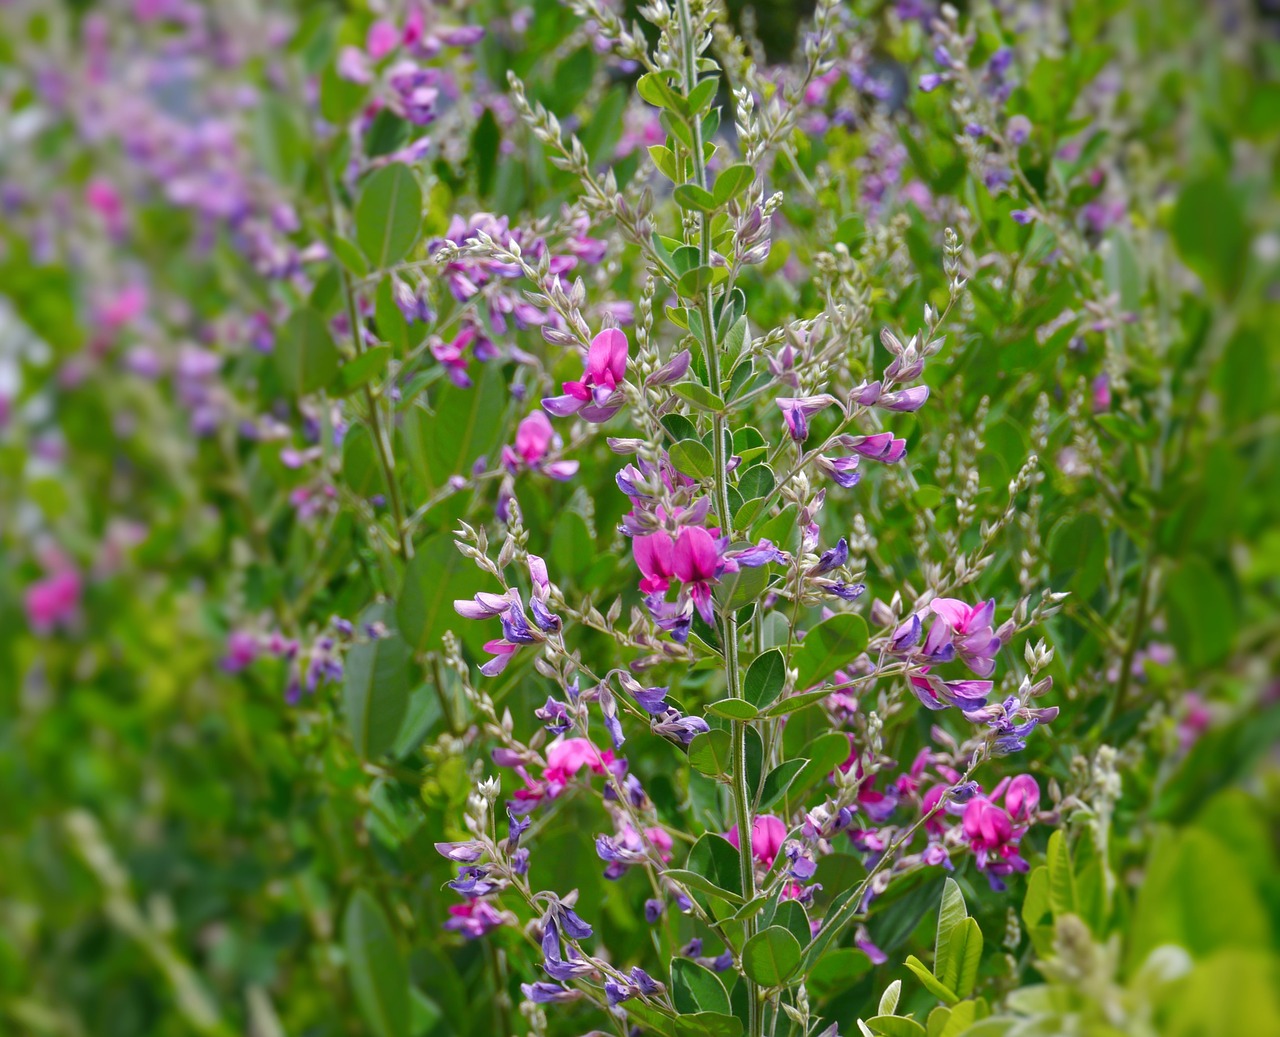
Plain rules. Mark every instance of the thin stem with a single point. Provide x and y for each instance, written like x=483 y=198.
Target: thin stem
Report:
x=380 y=439
x=740 y=793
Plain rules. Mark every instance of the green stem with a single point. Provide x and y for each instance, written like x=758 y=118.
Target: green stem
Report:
x=740 y=793
x=381 y=441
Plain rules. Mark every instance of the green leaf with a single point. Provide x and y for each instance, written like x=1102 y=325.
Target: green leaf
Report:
x=702 y=94
x=1210 y=233
x=363 y=369
x=696 y=880
x=696 y=989
x=664 y=158
x=376 y=687
x=1078 y=554
x=1036 y=904
x=693 y=198
x=700 y=397
x=1201 y=612
x=962 y=1017
x=965 y=949
x=710 y=753
x=379 y=975
x=733 y=709
x=654 y=88
x=473 y=418
x=771 y=956
x=831 y=644
x=1062 y=880
x=305 y=355
x=931 y=984
x=826 y=753
x=714 y=857
x=694 y=282
x=946 y=966
x=765 y=678
x=486 y=139
x=348 y=255
x=795 y=703
x=707 y=1024
x=778 y=780
x=896 y=1026
x=437 y=576
x=889 y=999
x=388 y=214
x=361 y=470
x=692 y=458
x=732 y=182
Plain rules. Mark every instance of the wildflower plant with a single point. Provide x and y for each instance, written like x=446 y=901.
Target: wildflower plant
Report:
x=535 y=521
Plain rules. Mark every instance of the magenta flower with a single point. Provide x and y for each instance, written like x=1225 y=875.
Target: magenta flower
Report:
x=696 y=562
x=53 y=601
x=768 y=833
x=655 y=557
x=242 y=649
x=535 y=438
x=597 y=397
x=1022 y=798
x=975 y=642
x=994 y=840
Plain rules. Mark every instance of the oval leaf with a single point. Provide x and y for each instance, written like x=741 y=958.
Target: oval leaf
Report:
x=388 y=214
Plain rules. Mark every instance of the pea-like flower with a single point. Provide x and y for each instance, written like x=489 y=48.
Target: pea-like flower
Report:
x=597 y=397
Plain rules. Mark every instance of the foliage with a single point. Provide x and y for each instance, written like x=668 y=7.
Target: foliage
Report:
x=500 y=505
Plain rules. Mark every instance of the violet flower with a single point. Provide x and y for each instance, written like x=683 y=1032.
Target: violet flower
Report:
x=797 y=410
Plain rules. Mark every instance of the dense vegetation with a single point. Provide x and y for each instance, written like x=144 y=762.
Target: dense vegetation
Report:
x=548 y=518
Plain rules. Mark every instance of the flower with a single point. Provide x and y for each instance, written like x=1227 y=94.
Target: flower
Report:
x=53 y=601
x=975 y=643
x=655 y=558
x=991 y=835
x=596 y=397
x=1022 y=797
x=695 y=562
x=768 y=833
x=797 y=410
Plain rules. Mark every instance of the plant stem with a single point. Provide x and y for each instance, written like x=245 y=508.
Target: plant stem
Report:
x=740 y=793
x=380 y=439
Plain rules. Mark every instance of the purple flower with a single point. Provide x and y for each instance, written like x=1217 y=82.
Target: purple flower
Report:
x=834 y=557
x=653 y=909
x=463 y=853
x=905 y=399
x=548 y=993
x=930 y=81
x=843 y=470
x=975 y=642
x=797 y=410
x=672 y=724
x=1022 y=216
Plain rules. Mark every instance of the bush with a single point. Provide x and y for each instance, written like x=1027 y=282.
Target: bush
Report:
x=551 y=519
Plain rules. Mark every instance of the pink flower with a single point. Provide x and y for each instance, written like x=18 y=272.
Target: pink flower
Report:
x=242 y=649
x=1022 y=798
x=53 y=601
x=768 y=833
x=535 y=438
x=987 y=827
x=596 y=398
x=567 y=756
x=655 y=557
x=696 y=561
x=975 y=642
x=383 y=38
